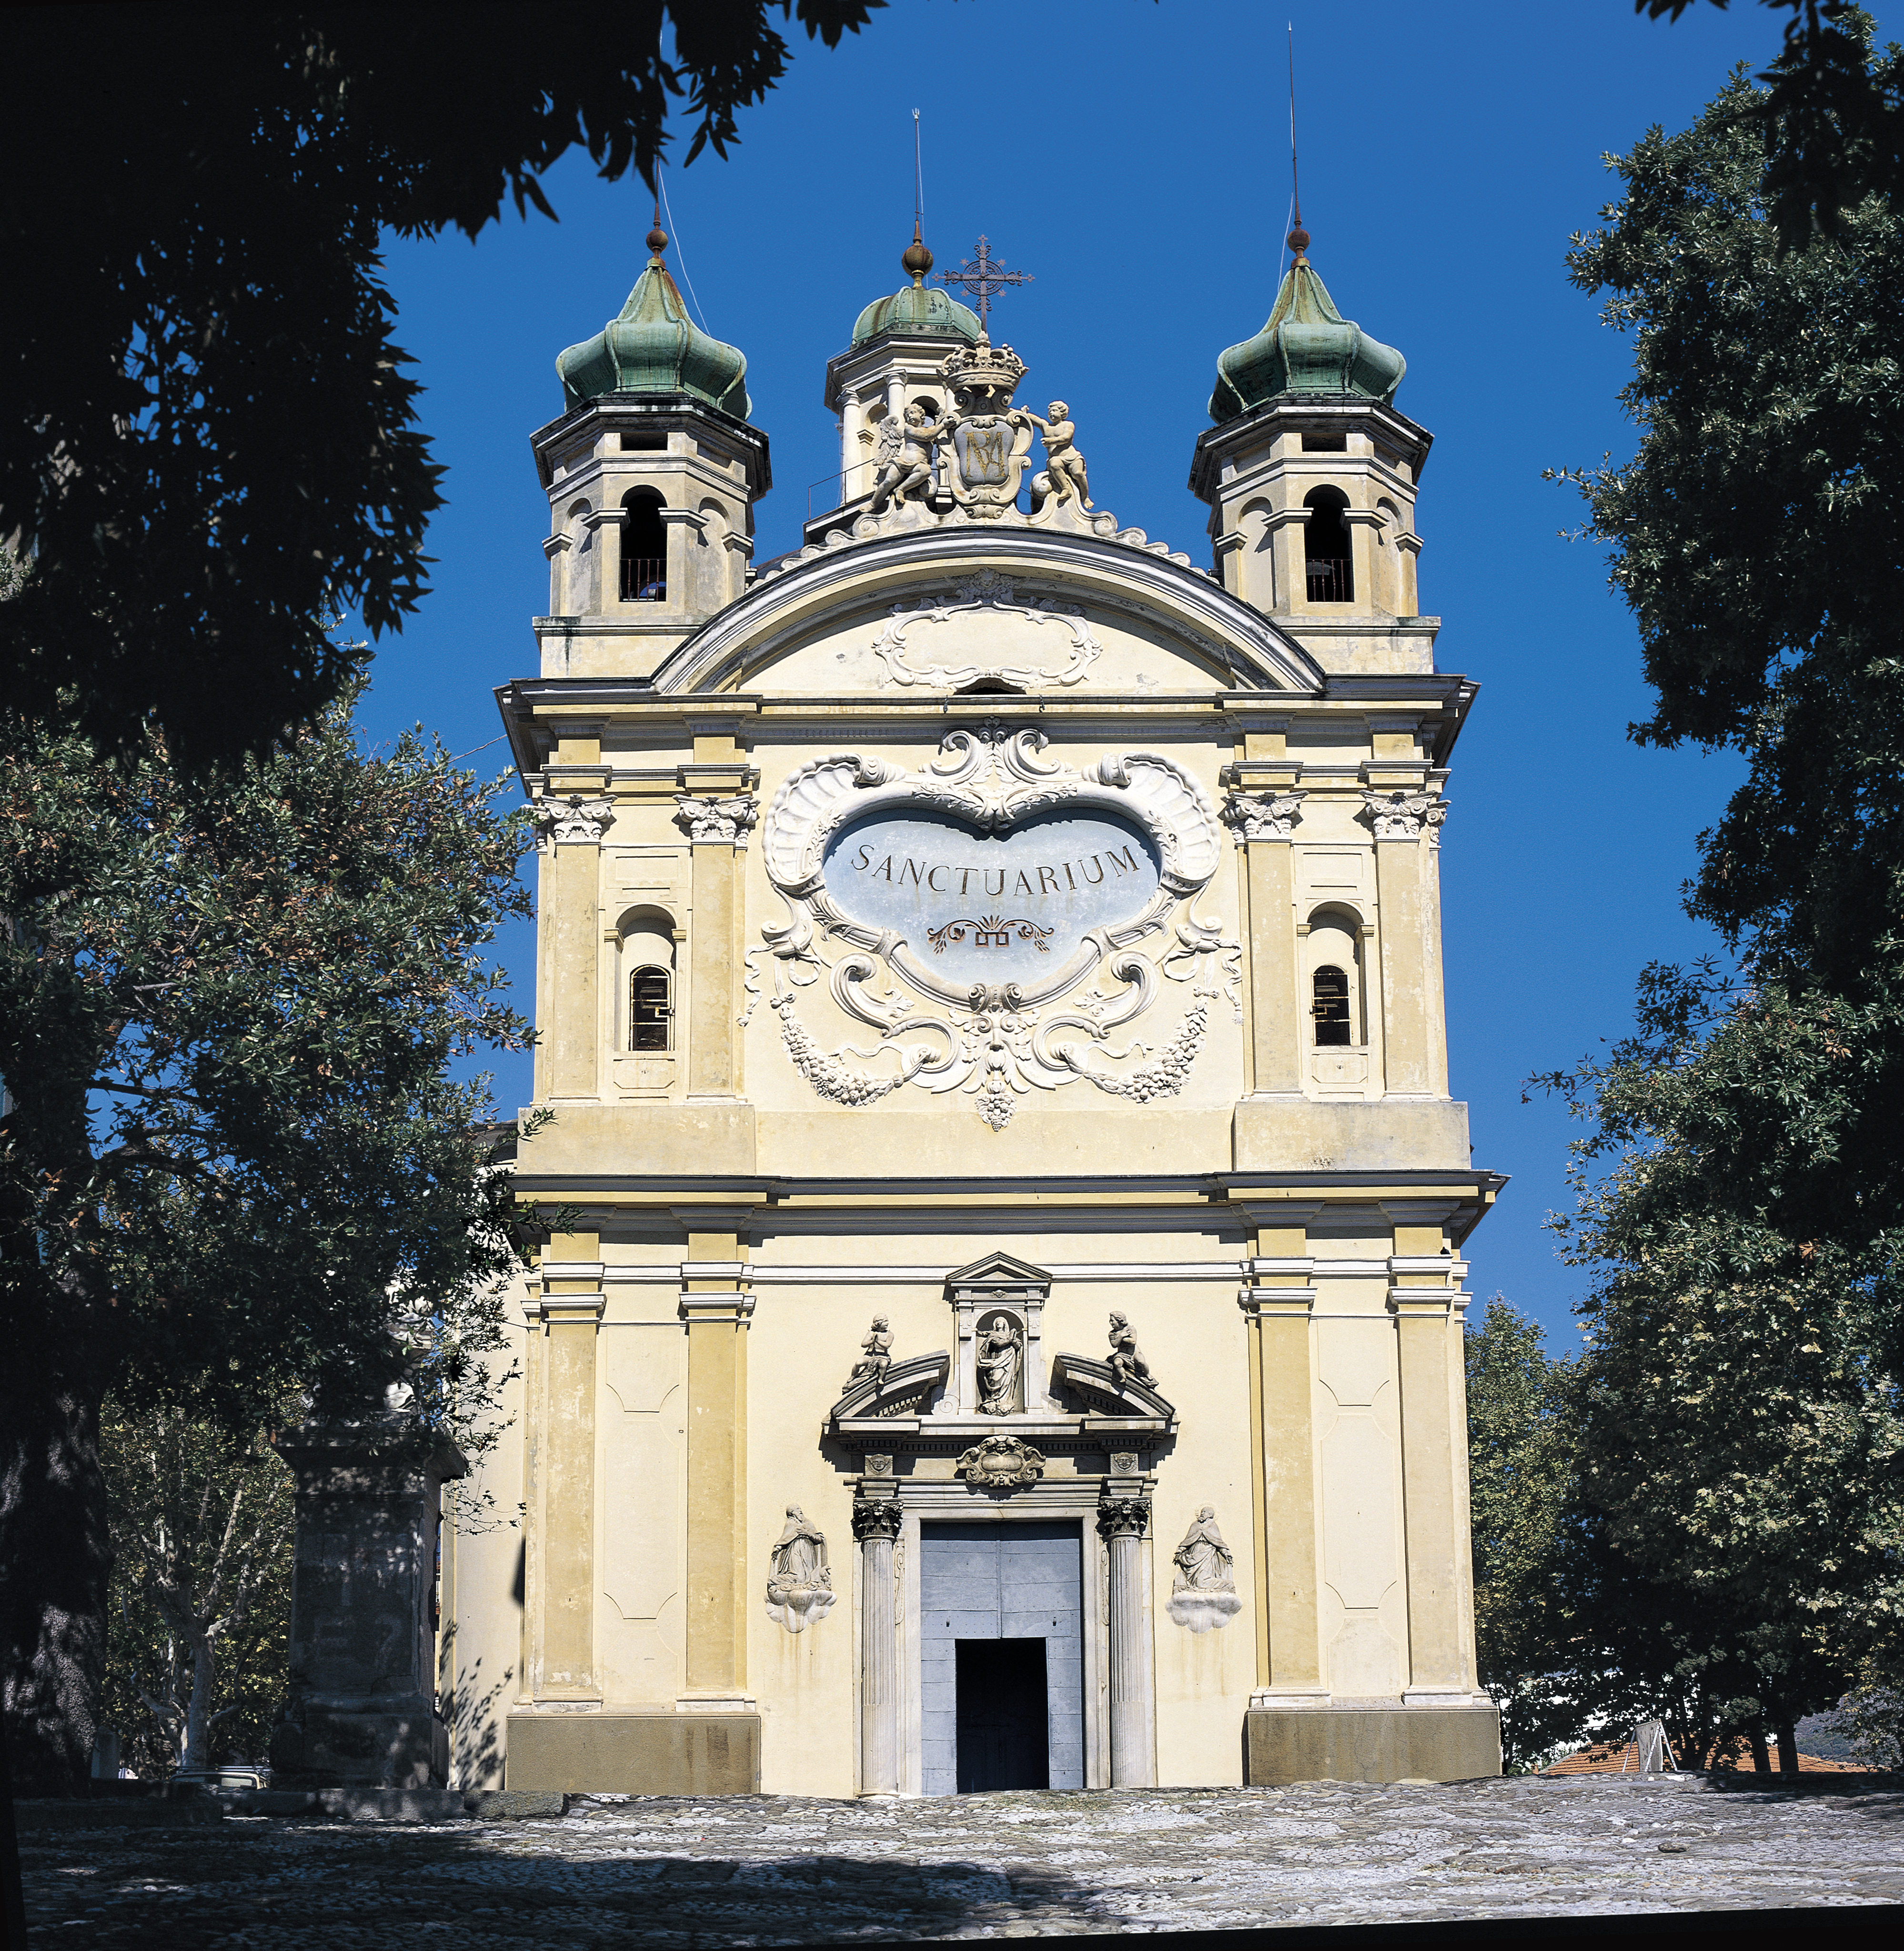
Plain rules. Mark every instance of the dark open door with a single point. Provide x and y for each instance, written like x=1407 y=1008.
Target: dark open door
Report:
x=1004 y=1735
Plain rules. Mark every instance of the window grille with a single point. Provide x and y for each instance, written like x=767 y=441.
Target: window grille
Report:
x=650 y=1009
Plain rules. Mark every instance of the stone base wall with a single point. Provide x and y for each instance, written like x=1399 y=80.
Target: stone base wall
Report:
x=1281 y=1745
x=656 y=1753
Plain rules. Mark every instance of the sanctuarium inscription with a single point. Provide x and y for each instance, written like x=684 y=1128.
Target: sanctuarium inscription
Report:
x=997 y=907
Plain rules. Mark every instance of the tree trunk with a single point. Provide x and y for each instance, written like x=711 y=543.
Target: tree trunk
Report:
x=1787 y=1749
x=1761 y=1754
x=196 y=1752
x=55 y=1556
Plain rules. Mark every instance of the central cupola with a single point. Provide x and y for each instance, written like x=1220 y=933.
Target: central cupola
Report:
x=898 y=348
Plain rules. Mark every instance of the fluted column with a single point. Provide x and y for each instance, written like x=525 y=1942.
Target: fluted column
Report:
x=875 y=1524
x=1122 y=1520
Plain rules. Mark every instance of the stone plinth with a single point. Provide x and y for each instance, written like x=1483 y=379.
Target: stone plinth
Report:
x=1371 y=1742
x=362 y=1709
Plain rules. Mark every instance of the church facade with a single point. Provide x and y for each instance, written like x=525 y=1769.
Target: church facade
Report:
x=1005 y=1326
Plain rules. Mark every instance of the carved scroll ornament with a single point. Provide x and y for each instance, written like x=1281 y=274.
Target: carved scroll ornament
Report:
x=1000 y=1463
x=947 y=1020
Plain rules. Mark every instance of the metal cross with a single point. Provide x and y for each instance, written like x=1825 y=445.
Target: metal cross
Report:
x=985 y=276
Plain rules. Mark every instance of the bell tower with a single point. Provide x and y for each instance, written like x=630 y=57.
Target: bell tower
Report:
x=652 y=473
x=1310 y=475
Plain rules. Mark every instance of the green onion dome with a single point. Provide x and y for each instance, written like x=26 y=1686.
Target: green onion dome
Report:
x=918 y=309
x=653 y=347
x=1307 y=348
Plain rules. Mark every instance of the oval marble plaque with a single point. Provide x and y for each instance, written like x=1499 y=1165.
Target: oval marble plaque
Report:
x=991 y=907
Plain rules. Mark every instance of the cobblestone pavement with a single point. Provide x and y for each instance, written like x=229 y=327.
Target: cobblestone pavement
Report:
x=791 y=1870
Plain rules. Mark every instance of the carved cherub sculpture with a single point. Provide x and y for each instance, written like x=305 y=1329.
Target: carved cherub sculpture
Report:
x=1063 y=463
x=1127 y=1361
x=909 y=465
x=877 y=1355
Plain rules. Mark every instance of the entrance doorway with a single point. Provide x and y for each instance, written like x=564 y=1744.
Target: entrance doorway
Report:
x=1001 y=1642
x=1004 y=1733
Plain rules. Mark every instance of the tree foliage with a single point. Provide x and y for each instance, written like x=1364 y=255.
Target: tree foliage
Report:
x=198 y=1642
x=1522 y=1473
x=211 y=438
x=1829 y=126
x=236 y=1161
x=1741 y=1443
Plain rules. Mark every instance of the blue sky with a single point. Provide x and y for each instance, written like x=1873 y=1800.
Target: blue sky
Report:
x=1134 y=158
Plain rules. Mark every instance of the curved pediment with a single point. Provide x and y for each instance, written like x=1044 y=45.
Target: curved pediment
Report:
x=1009 y=609
x=906 y=1388
x=1102 y=1392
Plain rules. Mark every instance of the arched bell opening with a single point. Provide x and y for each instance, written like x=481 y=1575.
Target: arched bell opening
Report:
x=644 y=548
x=1328 y=566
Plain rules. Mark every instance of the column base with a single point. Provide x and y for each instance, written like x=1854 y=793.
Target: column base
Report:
x=654 y=1752
x=1370 y=1744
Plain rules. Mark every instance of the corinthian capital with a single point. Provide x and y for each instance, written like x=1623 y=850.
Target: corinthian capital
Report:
x=877 y=1517
x=574 y=819
x=1267 y=816
x=1123 y=1517
x=1404 y=816
x=725 y=820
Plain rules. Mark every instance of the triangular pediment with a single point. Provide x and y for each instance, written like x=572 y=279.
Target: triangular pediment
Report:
x=998 y=1269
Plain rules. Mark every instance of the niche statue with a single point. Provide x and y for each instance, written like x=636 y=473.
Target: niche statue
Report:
x=1000 y=1352
x=800 y=1586
x=1204 y=1593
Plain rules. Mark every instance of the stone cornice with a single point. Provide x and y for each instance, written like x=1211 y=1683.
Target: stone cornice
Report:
x=778 y=609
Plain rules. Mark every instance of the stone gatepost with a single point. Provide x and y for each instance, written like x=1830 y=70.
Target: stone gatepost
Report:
x=362 y=1709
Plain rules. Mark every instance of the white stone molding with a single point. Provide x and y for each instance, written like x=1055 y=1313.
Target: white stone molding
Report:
x=1404 y=816
x=716 y=822
x=738 y=1305
x=995 y=1041
x=1119 y=573
x=573 y=819
x=986 y=591
x=1265 y=816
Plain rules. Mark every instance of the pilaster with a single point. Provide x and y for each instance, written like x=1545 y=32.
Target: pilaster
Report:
x=716 y=819
x=1414 y=1038
x=569 y=1307
x=572 y=826
x=716 y=1306
x=1264 y=823
x=1278 y=1304
x=1428 y=1311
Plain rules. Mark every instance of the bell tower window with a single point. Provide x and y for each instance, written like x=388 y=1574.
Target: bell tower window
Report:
x=1331 y=1007
x=1328 y=564
x=650 y=1009
x=644 y=549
